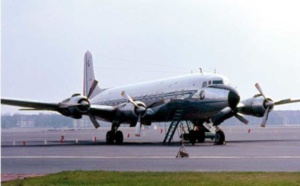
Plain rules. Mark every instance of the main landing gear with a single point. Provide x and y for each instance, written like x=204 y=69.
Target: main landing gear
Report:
x=114 y=135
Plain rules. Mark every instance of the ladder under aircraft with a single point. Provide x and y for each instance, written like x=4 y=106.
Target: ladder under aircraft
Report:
x=173 y=126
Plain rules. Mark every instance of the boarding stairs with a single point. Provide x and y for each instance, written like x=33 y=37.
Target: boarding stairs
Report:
x=173 y=125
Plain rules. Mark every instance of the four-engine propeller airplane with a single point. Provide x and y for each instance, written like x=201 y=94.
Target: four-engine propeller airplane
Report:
x=204 y=99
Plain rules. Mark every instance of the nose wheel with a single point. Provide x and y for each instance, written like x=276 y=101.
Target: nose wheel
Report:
x=219 y=137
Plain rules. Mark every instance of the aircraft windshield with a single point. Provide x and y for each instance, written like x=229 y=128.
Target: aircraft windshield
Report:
x=217 y=82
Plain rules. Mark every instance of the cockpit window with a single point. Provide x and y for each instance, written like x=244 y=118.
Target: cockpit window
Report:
x=218 y=82
x=204 y=84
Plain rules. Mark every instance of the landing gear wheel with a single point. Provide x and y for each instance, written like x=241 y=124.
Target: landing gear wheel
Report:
x=192 y=137
x=119 y=137
x=201 y=136
x=109 y=137
x=220 y=137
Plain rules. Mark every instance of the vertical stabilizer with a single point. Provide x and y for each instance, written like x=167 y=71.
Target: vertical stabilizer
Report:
x=90 y=84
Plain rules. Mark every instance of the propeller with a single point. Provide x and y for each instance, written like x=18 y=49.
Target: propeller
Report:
x=91 y=116
x=241 y=118
x=94 y=121
x=138 y=127
x=226 y=113
x=140 y=111
x=265 y=117
x=269 y=104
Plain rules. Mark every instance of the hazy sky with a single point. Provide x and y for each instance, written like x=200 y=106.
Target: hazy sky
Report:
x=43 y=43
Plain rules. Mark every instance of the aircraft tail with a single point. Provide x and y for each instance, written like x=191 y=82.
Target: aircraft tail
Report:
x=90 y=84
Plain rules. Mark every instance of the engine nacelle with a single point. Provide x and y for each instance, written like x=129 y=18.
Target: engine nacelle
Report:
x=255 y=106
x=75 y=106
x=129 y=110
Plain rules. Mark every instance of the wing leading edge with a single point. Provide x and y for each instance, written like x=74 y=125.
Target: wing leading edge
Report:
x=36 y=105
x=31 y=105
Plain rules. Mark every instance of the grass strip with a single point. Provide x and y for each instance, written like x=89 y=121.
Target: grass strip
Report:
x=103 y=178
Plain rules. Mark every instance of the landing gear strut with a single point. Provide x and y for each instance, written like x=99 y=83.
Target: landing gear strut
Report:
x=219 y=134
x=114 y=135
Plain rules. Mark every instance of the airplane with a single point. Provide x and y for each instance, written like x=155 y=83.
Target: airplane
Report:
x=204 y=99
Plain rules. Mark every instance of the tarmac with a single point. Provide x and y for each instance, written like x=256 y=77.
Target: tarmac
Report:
x=247 y=148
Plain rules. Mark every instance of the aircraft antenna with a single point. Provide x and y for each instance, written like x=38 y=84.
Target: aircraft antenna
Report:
x=201 y=71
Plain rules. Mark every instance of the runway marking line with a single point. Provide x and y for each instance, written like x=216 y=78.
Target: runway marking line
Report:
x=149 y=157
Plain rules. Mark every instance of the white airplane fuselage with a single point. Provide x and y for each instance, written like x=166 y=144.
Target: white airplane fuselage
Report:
x=199 y=95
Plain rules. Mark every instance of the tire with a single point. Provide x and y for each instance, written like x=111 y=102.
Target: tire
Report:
x=220 y=137
x=201 y=136
x=192 y=137
x=109 y=137
x=119 y=137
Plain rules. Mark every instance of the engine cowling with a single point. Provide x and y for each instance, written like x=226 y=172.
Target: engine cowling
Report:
x=255 y=106
x=75 y=106
x=129 y=110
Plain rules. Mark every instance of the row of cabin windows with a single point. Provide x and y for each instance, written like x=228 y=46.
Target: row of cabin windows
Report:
x=149 y=97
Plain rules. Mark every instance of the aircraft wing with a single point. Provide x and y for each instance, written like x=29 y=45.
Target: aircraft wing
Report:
x=37 y=105
x=104 y=108
x=30 y=105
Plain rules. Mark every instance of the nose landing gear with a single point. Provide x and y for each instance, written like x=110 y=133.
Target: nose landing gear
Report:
x=219 y=134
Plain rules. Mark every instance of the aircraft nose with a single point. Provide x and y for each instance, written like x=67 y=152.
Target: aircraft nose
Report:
x=233 y=99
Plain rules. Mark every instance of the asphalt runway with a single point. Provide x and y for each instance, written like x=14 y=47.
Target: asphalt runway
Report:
x=29 y=151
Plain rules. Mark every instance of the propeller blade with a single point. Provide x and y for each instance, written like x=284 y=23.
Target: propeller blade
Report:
x=128 y=98
x=286 y=101
x=138 y=127
x=222 y=115
x=265 y=118
x=260 y=90
x=241 y=118
x=94 y=85
x=94 y=121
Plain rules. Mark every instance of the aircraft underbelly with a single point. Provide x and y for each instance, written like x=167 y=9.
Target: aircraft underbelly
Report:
x=191 y=111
